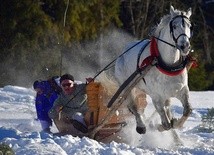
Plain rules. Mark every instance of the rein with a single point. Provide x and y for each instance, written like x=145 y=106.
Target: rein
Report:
x=159 y=64
x=164 y=41
x=105 y=68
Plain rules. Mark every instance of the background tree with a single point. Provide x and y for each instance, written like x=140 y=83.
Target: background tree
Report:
x=39 y=39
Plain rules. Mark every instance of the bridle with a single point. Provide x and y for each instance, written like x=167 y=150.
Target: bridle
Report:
x=183 y=23
x=172 y=31
x=155 y=55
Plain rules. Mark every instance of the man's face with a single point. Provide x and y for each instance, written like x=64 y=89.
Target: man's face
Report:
x=67 y=86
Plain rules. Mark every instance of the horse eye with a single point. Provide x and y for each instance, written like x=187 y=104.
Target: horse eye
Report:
x=174 y=27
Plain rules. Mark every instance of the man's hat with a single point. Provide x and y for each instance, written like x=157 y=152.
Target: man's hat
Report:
x=66 y=77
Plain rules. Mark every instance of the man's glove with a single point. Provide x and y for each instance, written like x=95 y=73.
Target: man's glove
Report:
x=90 y=79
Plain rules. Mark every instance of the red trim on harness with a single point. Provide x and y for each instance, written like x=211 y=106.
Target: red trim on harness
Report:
x=154 y=53
x=170 y=73
x=147 y=61
x=154 y=48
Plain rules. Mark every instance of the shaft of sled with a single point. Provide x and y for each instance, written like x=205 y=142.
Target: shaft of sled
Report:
x=127 y=82
x=110 y=113
x=126 y=91
x=122 y=87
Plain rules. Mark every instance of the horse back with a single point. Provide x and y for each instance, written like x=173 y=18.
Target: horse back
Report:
x=127 y=63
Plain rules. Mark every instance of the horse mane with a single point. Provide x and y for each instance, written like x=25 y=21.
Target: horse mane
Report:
x=164 y=21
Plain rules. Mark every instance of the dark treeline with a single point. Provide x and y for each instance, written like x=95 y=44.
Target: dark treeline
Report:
x=44 y=38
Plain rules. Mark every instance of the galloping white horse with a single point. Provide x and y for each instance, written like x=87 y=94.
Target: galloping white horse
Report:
x=168 y=78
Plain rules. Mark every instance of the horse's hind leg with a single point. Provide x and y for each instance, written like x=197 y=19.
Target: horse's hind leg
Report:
x=174 y=134
x=163 y=111
x=168 y=109
x=184 y=98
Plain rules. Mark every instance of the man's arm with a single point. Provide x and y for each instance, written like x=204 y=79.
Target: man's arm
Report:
x=54 y=111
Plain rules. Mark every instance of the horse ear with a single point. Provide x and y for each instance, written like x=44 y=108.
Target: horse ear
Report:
x=172 y=10
x=189 y=12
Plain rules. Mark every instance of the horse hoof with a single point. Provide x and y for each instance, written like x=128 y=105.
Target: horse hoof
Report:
x=166 y=126
x=176 y=123
x=141 y=130
x=160 y=128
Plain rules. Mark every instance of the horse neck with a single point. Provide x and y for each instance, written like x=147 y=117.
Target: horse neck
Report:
x=170 y=55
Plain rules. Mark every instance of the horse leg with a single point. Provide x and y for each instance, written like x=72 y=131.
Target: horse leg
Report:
x=163 y=112
x=183 y=96
x=141 y=128
x=168 y=110
x=174 y=134
x=139 y=98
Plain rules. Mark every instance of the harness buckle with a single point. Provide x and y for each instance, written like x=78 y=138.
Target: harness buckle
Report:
x=154 y=62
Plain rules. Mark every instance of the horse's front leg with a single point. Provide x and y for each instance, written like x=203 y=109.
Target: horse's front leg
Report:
x=141 y=128
x=164 y=113
x=183 y=96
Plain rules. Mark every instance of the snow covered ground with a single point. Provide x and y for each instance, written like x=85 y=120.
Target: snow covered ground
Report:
x=21 y=131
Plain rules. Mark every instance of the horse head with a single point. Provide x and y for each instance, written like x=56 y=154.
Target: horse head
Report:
x=181 y=29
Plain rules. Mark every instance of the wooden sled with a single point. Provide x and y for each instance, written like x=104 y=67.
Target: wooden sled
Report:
x=97 y=104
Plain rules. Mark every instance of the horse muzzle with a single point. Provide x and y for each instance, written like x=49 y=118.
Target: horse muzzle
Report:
x=184 y=46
